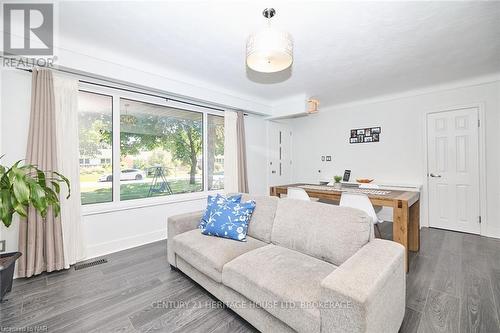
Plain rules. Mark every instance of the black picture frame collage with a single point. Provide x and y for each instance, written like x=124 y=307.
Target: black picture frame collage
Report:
x=365 y=135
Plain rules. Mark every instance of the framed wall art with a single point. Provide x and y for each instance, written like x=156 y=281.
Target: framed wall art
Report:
x=365 y=135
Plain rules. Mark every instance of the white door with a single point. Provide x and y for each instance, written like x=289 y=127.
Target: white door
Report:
x=280 y=157
x=453 y=170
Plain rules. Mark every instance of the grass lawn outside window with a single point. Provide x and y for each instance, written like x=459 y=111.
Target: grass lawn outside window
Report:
x=139 y=190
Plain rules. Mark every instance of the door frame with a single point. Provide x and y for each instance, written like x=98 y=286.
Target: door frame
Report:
x=269 y=123
x=482 y=161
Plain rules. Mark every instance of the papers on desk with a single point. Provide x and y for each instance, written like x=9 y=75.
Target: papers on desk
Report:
x=354 y=185
x=344 y=189
x=369 y=186
x=400 y=187
x=383 y=186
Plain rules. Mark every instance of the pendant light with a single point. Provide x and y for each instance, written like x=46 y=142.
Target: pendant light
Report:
x=269 y=50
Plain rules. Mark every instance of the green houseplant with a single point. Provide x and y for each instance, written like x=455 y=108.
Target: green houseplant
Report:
x=25 y=185
x=337 y=180
x=22 y=186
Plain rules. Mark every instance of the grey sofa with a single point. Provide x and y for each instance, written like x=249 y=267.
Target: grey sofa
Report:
x=306 y=267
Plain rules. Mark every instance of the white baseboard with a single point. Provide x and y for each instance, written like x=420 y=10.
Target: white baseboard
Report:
x=124 y=243
x=493 y=232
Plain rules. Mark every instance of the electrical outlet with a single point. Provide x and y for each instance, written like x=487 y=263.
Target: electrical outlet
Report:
x=2 y=246
x=328 y=158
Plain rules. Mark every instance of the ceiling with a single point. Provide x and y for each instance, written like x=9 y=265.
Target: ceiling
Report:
x=344 y=51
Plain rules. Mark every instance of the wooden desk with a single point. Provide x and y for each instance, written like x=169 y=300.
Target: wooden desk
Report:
x=405 y=205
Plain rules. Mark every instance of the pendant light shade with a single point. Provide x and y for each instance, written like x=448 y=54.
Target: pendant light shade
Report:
x=269 y=50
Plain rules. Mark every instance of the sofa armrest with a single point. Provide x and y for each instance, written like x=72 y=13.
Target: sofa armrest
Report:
x=367 y=292
x=178 y=224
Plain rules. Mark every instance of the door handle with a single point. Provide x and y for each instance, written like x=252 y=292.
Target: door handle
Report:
x=435 y=175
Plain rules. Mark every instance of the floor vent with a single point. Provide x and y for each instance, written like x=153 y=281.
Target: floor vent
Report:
x=90 y=264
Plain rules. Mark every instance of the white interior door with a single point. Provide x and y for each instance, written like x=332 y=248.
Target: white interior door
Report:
x=453 y=170
x=280 y=156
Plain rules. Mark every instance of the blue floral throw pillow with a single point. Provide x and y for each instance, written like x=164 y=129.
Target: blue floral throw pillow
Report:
x=230 y=220
x=215 y=201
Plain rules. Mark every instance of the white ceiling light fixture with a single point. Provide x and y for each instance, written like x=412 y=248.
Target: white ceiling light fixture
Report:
x=269 y=50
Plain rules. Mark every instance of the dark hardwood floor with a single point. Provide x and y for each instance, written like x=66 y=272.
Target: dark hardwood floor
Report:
x=453 y=286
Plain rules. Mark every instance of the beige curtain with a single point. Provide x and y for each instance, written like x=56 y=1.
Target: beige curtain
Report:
x=230 y=152
x=242 y=153
x=40 y=241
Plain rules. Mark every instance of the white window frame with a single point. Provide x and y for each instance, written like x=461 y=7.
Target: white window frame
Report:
x=117 y=204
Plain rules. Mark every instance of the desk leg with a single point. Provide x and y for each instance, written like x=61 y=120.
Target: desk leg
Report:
x=273 y=192
x=414 y=227
x=400 y=227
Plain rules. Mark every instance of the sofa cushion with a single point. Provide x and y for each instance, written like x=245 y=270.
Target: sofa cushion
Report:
x=214 y=202
x=230 y=220
x=209 y=254
x=327 y=232
x=261 y=223
x=284 y=282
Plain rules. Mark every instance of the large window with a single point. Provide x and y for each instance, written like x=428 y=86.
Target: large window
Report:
x=159 y=150
x=95 y=130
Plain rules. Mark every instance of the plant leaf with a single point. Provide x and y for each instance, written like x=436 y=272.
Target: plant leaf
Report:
x=20 y=209
x=41 y=177
x=2 y=208
x=57 y=187
x=38 y=197
x=65 y=180
x=7 y=210
x=7 y=219
x=21 y=189
x=56 y=208
x=5 y=181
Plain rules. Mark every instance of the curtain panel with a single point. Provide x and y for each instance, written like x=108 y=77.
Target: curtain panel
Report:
x=235 y=161
x=53 y=243
x=40 y=241
x=67 y=144
x=230 y=152
x=242 y=153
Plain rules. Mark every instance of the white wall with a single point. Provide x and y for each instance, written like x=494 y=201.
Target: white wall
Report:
x=399 y=156
x=15 y=106
x=118 y=230
x=256 y=142
x=115 y=230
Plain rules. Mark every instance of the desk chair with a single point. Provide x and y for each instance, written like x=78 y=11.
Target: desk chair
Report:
x=361 y=201
x=297 y=193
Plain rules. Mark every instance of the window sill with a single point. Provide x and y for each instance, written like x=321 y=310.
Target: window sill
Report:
x=109 y=207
